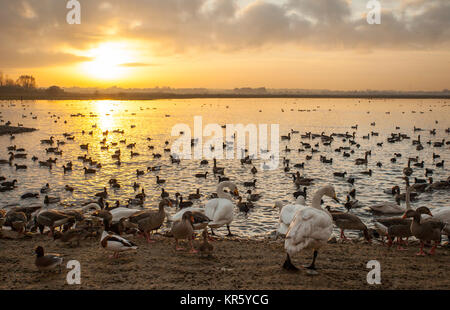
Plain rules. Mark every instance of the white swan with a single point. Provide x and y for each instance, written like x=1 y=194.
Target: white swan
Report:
x=443 y=215
x=200 y=219
x=310 y=229
x=287 y=213
x=220 y=210
x=122 y=212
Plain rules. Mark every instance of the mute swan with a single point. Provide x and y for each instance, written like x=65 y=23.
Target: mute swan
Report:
x=287 y=213
x=220 y=210
x=310 y=229
x=122 y=212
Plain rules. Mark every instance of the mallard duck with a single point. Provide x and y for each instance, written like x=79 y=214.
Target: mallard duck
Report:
x=150 y=220
x=45 y=189
x=47 y=262
x=220 y=210
x=253 y=197
x=310 y=229
x=50 y=200
x=244 y=206
x=116 y=243
x=183 y=229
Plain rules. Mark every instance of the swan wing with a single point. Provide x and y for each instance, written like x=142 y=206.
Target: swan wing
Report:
x=309 y=228
x=177 y=216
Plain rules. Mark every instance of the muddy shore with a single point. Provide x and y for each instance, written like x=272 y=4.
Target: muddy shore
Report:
x=236 y=264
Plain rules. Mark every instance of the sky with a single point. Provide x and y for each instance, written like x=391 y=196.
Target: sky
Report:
x=307 y=44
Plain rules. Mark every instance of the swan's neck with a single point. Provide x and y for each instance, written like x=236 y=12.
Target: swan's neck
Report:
x=407 y=198
x=220 y=189
x=317 y=198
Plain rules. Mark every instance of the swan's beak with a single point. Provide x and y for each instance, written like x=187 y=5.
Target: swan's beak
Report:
x=192 y=219
x=335 y=198
x=404 y=216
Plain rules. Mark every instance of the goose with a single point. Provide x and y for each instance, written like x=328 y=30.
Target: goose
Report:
x=425 y=230
x=164 y=194
x=348 y=221
x=184 y=229
x=183 y=204
x=52 y=219
x=205 y=248
x=408 y=170
x=9 y=183
x=220 y=210
x=200 y=219
x=201 y=175
x=150 y=220
x=195 y=196
x=391 y=207
x=116 y=243
x=217 y=170
x=310 y=229
x=139 y=172
x=47 y=262
x=362 y=161
x=15 y=219
x=102 y=194
x=287 y=213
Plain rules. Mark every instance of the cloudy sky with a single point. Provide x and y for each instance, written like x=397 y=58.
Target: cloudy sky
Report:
x=314 y=44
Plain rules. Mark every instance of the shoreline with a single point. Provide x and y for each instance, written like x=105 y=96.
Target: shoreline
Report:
x=5 y=130
x=159 y=96
x=237 y=264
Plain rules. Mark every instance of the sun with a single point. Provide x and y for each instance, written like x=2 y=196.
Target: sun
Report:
x=108 y=61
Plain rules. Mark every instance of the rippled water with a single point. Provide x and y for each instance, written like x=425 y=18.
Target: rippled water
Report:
x=149 y=119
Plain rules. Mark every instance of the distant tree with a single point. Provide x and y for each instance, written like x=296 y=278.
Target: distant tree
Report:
x=54 y=90
x=1 y=79
x=26 y=81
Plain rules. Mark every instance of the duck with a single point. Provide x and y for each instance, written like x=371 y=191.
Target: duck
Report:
x=310 y=229
x=217 y=170
x=347 y=220
x=150 y=220
x=164 y=194
x=47 y=262
x=362 y=161
x=160 y=181
x=287 y=213
x=407 y=171
x=351 y=204
x=16 y=219
x=29 y=195
x=220 y=210
x=244 y=206
x=89 y=170
x=50 y=200
x=253 y=196
x=201 y=175
x=425 y=230
x=115 y=243
x=184 y=229
x=205 y=248
x=45 y=188
x=102 y=194
x=250 y=184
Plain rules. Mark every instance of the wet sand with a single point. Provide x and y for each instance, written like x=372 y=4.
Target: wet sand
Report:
x=236 y=264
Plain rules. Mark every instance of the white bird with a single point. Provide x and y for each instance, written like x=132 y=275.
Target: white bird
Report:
x=287 y=213
x=220 y=210
x=122 y=212
x=443 y=215
x=116 y=243
x=310 y=229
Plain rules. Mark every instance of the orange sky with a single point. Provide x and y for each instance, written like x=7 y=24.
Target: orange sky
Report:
x=321 y=44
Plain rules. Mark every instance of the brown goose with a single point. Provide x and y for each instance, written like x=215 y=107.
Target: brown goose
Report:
x=184 y=230
x=52 y=219
x=425 y=230
x=205 y=248
x=16 y=220
x=150 y=220
x=348 y=221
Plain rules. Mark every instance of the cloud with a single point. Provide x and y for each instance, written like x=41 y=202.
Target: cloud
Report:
x=136 y=64
x=39 y=27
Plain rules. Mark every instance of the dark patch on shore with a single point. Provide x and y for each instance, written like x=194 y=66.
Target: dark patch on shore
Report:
x=7 y=130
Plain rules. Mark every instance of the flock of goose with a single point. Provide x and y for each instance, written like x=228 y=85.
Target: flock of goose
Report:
x=304 y=226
